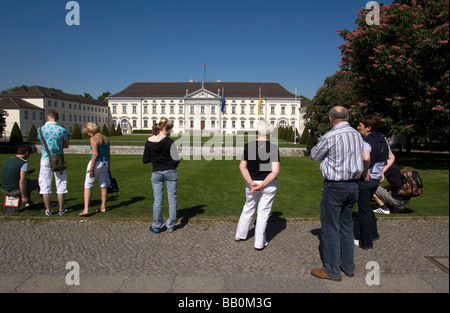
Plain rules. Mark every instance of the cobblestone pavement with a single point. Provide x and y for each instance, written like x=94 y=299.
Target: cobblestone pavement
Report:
x=118 y=255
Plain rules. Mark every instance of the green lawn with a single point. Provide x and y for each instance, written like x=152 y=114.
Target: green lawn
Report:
x=139 y=140
x=215 y=189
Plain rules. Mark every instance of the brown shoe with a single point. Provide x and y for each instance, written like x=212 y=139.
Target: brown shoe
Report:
x=319 y=272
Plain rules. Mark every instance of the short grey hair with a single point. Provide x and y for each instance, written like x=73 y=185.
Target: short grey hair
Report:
x=338 y=113
x=264 y=128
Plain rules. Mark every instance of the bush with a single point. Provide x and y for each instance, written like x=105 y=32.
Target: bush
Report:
x=311 y=142
x=112 y=131
x=76 y=133
x=118 y=131
x=16 y=135
x=105 y=130
x=304 y=137
x=32 y=134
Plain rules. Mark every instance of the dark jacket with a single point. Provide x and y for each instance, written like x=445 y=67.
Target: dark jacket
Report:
x=380 y=148
x=162 y=152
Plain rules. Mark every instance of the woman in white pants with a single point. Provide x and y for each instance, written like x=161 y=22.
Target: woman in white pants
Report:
x=260 y=166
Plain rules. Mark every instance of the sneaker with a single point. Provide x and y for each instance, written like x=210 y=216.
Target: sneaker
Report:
x=48 y=213
x=63 y=211
x=381 y=211
x=30 y=204
x=155 y=230
x=356 y=241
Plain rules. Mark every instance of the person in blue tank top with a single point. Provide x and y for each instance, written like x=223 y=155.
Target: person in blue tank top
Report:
x=98 y=166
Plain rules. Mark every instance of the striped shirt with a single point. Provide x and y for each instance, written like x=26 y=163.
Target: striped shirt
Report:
x=341 y=153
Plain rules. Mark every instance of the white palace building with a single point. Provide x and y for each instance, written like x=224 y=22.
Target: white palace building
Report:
x=195 y=106
x=29 y=105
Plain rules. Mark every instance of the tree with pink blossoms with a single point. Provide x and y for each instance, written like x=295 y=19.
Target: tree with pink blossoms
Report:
x=401 y=67
x=399 y=70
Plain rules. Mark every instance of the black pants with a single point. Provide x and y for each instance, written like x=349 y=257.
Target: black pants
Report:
x=368 y=229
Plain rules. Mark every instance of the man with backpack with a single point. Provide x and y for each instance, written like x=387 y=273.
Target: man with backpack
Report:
x=389 y=195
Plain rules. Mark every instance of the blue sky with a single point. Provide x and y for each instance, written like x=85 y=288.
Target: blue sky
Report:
x=117 y=43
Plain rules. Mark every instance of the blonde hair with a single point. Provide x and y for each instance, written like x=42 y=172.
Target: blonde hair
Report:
x=91 y=128
x=164 y=123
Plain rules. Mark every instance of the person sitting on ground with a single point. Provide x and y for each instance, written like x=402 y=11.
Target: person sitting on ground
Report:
x=388 y=195
x=14 y=176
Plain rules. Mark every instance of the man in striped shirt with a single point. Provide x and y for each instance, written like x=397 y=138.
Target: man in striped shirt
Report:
x=341 y=153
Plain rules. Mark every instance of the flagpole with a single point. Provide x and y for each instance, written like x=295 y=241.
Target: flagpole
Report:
x=259 y=102
x=204 y=71
x=221 y=113
x=295 y=105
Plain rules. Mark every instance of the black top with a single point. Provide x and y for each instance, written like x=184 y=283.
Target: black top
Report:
x=260 y=154
x=162 y=154
x=395 y=180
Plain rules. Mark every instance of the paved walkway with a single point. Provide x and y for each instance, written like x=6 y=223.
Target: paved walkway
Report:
x=202 y=256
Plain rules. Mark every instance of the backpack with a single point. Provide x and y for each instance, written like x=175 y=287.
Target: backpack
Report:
x=412 y=184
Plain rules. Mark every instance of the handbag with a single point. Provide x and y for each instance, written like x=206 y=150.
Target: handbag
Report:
x=57 y=162
x=113 y=187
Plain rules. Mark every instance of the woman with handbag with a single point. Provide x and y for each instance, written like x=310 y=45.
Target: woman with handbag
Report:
x=98 y=166
x=161 y=151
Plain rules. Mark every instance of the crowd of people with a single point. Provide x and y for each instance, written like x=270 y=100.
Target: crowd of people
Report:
x=353 y=163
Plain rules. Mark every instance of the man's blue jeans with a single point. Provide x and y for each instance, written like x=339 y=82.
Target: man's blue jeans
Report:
x=337 y=246
x=171 y=179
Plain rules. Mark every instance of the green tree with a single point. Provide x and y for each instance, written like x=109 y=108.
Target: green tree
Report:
x=337 y=89
x=112 y=131
x=104 y=95
x=13 y=89
x=76 y=132
x=401 y=67
x=105 y=130
x=16 y=135
x=118 y=131
x=304 y=137
x=32 y=134
x=3 y=115
x=312 y=141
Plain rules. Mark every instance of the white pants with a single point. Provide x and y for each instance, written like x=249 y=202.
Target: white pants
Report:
x=46 y=177
x=262 y=200
x=101 y=172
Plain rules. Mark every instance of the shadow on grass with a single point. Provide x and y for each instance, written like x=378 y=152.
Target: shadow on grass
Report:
x=187 y=213
x=123 y=203
x=423 y=161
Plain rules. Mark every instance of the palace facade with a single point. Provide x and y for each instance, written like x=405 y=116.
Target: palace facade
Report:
x=29 y=105
x=197 y=106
